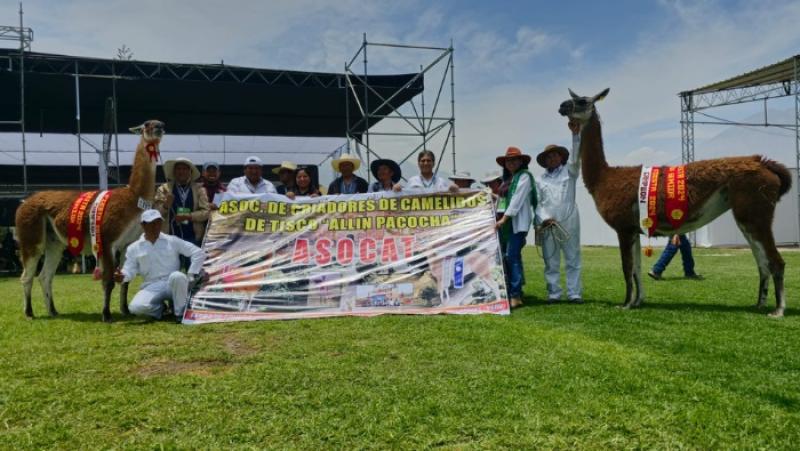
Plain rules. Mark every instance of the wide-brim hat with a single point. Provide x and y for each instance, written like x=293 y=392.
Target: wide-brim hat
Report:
x=462 y=176
x=490 y=177
x=552 y=148
x=346 y=158
x=396 y=172
x=169 y=168
x=285 y=165
x=513 y=152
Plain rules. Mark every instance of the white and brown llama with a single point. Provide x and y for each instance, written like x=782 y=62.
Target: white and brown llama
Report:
x=41 y=224
x=749 y=186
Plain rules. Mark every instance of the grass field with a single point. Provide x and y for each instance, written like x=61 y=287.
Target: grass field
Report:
x=697 y=367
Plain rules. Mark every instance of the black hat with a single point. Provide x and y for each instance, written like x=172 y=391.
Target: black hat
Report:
x=396 y=172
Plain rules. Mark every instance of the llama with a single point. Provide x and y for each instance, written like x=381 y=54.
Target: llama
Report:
x=749 y=186
x=41 y=224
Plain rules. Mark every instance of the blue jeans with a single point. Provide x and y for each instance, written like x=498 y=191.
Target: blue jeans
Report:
x=686 y=255
x=516 y=277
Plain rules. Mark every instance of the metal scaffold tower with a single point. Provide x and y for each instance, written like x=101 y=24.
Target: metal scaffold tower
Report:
x=24 y=36
x=778 y=80
x=426 y=127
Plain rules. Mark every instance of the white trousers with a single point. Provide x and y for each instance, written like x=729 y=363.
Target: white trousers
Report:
x=551 y=252
x=149 y=301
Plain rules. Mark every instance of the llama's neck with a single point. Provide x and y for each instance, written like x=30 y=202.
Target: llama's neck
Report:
x=593 y=157
x=143 y=173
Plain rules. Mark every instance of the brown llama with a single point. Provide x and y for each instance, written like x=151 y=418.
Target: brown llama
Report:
x=749 y=186
x=41 y=224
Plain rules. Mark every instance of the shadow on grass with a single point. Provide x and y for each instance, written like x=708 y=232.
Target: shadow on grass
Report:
x=698 y=306
x=85 y=317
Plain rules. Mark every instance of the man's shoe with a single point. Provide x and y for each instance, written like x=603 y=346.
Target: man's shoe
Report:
x=516 y=302
x=654 y=275
x=576 y=301
x=552 y=301
x=695 y=277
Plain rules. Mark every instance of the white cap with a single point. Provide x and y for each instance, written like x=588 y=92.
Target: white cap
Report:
x=489 y=177
x=150 y=215
x=253 y=160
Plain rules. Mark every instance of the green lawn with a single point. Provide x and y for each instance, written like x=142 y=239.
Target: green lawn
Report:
x=696 y=367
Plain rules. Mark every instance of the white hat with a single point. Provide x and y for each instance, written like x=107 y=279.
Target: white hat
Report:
x=169 y=168
x=490 y=177
x=346 y=158
x=150 y=215
x=461 y=176
x=253 y=160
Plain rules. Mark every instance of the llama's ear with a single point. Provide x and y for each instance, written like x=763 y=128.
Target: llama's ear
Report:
x=574 y=96
x=601 y=96
x=137 y=130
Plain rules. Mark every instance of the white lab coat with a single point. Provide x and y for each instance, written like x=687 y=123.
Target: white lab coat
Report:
x=159 y=265
x=556 y=192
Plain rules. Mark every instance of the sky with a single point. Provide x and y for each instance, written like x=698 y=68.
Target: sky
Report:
x=514 y=60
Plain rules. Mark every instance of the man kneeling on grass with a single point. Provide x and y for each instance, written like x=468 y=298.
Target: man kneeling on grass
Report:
x=156 y=256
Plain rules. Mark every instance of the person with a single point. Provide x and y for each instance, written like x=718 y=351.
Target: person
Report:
x=251 y=182
x=347 y=182
x=387 y=173
x=520 y=197
x=493 y=180
x=462 y=179
x=305 y=184
x=211 y=181
x=183 y=201
x=286 y=175
x=155 y=256
x=558 y=219
x=427 y=180
x=676 y=242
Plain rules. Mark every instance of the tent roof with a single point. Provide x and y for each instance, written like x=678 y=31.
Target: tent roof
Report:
x=780 y=72
x=195 y=99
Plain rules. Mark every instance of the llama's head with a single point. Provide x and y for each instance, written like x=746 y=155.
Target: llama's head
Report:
x=580 y=108
x=151 y=131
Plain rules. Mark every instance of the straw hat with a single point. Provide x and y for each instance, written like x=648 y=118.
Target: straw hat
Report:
x=513 y=152
x=169 y=168
x=396 y=172
x=287 y=165
x=552 y=148
x=346 y=158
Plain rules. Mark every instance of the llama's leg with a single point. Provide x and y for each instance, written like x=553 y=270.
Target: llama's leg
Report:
x=108 y=284
x=28 y=273
x=637 y=271
x=52 y=257
x=763 y=266
x=776 y=266
x=626 y=252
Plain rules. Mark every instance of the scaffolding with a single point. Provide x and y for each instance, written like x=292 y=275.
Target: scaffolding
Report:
x=428 y=127
x=778 y=80
x=24 y=36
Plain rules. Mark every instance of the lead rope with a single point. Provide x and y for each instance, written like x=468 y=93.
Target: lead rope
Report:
x=558 y=233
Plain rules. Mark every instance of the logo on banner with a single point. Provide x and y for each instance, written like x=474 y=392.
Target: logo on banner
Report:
x=75 y=232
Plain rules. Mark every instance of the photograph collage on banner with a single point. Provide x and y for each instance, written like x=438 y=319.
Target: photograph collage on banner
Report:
x=357 y=255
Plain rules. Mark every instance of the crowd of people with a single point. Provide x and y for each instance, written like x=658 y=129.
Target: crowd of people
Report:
x=175 y=226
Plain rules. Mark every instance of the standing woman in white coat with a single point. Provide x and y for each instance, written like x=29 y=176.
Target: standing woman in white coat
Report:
x=557 y=215
x=520 y=197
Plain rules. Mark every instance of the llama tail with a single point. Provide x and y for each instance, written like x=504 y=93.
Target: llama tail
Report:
x=29 y=227
x=783 y=174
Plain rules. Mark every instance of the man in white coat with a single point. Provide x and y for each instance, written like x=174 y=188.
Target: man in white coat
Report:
x=156 y=256
x=558 y=219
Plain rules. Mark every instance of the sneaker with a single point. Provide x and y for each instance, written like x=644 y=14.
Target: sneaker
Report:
x=516 y=302
x=654 y=275
x=695 y=277
x=576 y=301
x=552 y=301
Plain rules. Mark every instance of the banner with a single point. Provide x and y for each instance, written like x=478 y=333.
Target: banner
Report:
x=269 y=257
x=677 y=204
